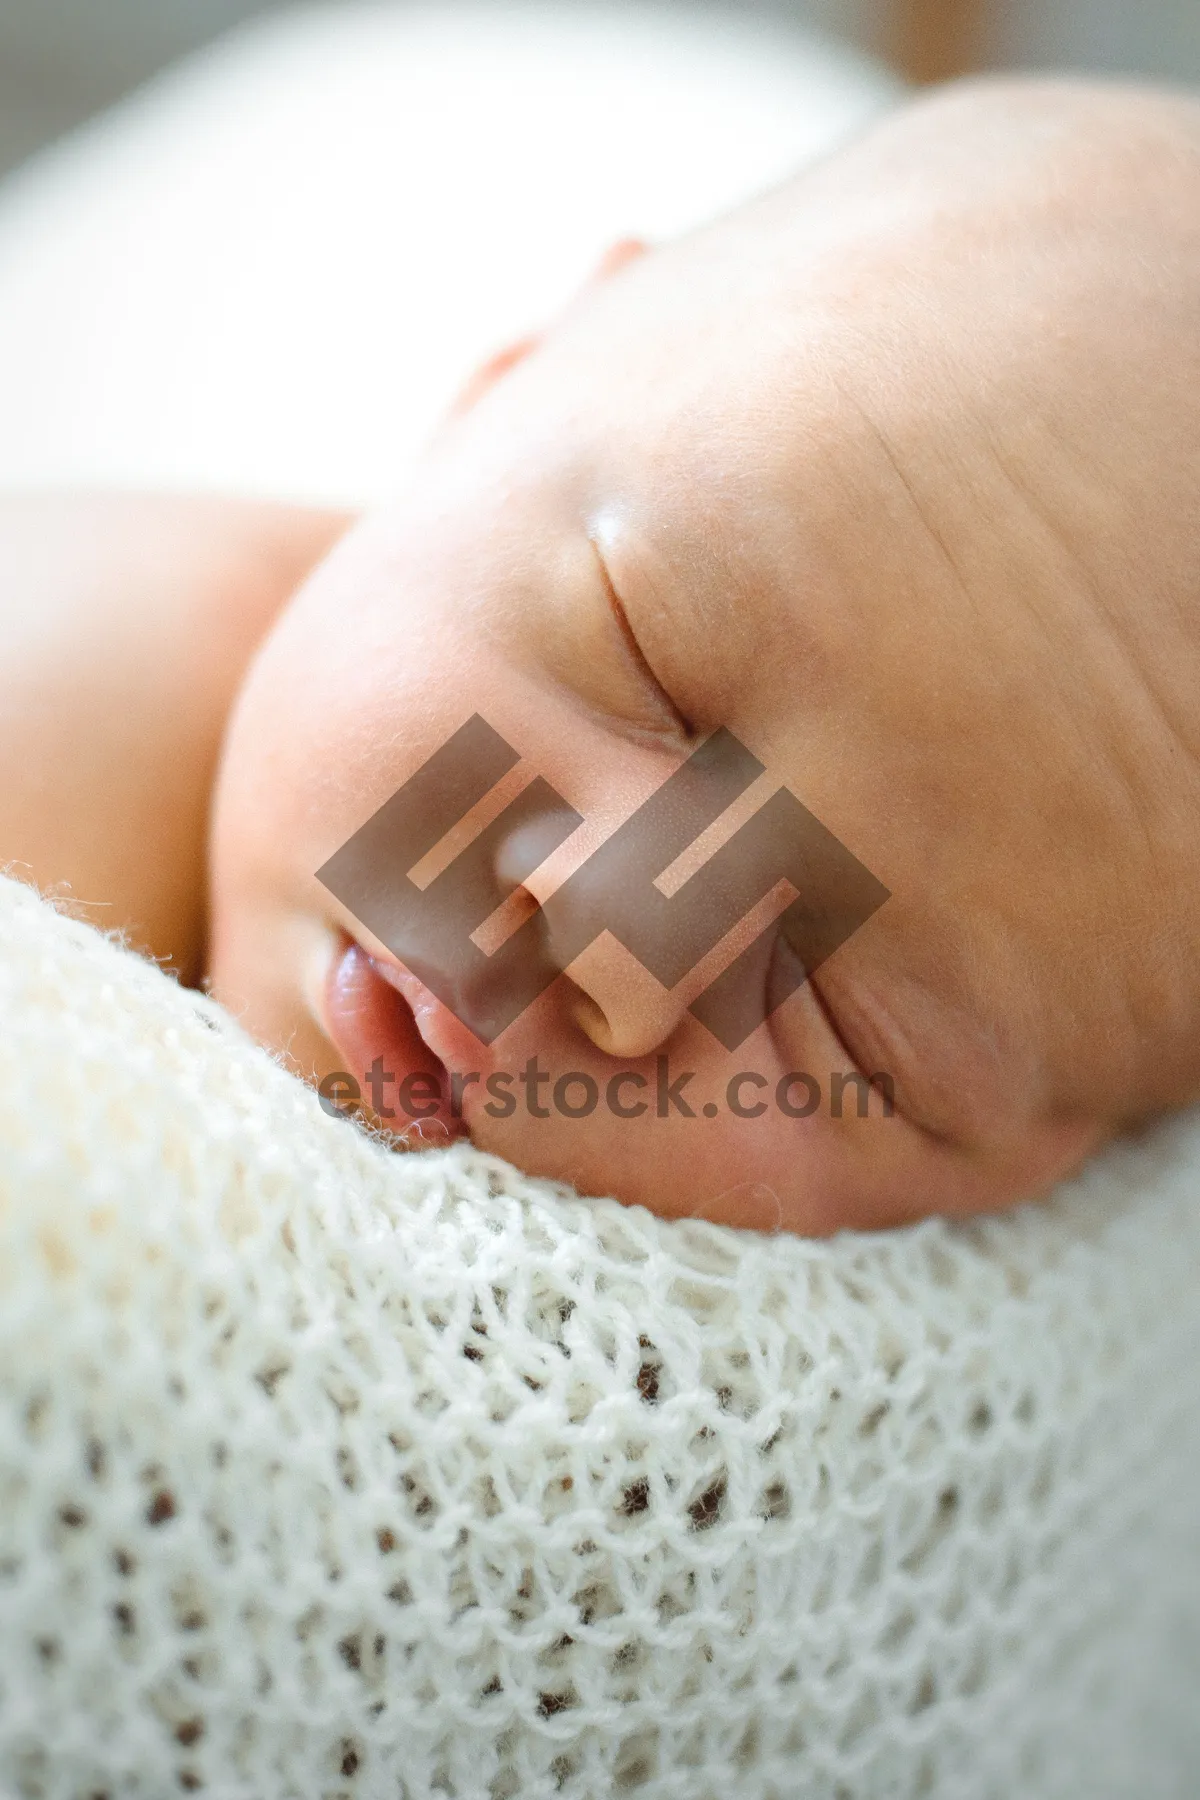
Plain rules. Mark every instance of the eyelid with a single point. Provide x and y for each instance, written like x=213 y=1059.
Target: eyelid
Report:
x=858 y=1064
x=901 y=1101
x=679 y=725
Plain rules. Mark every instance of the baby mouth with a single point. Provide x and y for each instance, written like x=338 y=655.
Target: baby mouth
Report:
x=401 y=1079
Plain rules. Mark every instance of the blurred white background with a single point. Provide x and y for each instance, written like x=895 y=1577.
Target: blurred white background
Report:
x=61 y=60
x=272 y=272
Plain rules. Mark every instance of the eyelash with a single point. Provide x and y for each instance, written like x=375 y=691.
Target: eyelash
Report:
x=822 y=1005
x=858 y=1063
x=901 y=1102
x=679 y=724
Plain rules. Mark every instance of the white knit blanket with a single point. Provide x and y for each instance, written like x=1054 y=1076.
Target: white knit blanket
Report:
x=326 y=1473
x=330 y=1472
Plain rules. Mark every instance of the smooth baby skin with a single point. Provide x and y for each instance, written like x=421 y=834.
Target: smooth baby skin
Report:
x=126 y=623
x=894 y=474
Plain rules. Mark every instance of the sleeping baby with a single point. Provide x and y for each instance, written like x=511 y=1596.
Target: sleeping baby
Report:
x=882 y=492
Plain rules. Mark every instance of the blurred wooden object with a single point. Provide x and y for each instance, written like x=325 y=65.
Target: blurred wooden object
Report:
x=932 y=40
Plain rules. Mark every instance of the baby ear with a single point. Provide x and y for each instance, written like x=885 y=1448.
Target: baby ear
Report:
x=489 y=372
x=624 y=250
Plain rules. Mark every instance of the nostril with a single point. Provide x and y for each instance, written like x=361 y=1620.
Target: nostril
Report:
x=590 y=1019
x=618 y=1004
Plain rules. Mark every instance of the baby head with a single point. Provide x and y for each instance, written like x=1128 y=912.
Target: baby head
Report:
x=892 y=476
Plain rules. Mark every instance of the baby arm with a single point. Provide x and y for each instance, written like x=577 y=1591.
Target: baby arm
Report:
x=126 y=623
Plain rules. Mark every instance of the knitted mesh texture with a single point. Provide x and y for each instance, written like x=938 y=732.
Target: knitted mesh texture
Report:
x=326 y=1471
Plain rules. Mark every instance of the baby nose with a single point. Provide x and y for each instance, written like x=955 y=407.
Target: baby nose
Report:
x=618 y=1004
x=608 y=993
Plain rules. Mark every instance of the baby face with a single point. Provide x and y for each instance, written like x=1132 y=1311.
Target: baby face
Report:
x=891 y=476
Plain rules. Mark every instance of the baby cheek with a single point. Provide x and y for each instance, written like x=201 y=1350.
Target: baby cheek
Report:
x=752 y=1140
x=684 y=1131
